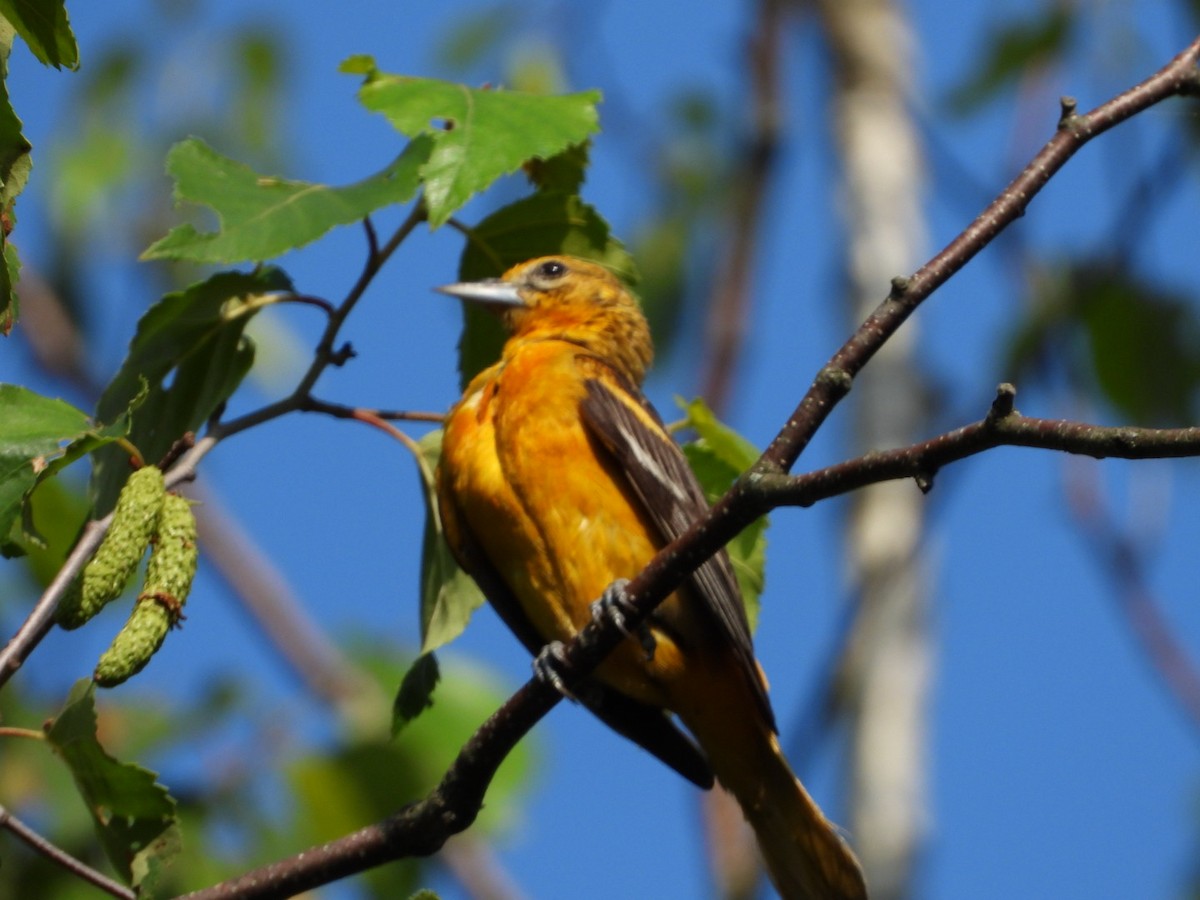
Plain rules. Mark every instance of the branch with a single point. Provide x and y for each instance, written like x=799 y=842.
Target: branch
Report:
x=1002 y=427
x=60 y=857
x=1179 y=77
x=422 y=827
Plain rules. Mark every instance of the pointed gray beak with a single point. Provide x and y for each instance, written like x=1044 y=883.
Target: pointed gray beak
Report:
x=491 y=292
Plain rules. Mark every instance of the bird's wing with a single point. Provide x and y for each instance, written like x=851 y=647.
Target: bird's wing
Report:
x=629 y=428
x=647 y=726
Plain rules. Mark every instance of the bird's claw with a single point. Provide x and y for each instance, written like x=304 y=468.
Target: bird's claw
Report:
x=614 y=606
x=548 y=667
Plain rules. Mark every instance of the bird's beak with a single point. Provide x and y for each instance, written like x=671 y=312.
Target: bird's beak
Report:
x=491 y=292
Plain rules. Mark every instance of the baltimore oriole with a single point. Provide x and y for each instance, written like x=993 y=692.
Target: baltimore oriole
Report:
x=557 y=478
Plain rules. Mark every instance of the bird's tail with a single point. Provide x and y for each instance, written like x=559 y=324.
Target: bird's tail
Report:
x=804 y=853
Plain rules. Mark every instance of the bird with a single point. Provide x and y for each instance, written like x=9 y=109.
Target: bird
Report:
x=557 y=480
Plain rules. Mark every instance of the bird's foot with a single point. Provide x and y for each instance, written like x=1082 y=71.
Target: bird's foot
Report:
x=614 y=606
x=548 y=666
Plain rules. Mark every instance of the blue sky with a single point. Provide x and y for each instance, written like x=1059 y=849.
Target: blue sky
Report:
x=1059 y=765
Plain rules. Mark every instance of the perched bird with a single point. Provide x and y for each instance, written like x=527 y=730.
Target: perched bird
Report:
x=557 y=479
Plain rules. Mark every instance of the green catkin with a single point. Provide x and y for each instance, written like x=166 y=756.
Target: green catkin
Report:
x=159 y=606
x=135 y=519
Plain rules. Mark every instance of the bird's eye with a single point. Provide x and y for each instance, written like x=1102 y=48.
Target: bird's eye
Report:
x=552 y=268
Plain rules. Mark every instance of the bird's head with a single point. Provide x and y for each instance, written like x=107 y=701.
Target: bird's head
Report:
x=570 y=299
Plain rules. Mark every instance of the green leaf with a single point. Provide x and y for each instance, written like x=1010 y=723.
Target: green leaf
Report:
x=543 y=223
x=1013 y=48
x=44 y=26
x=448 y=594
x=15 y=163
x=134 y=816
x=58 y=508
x=34 y=430
x=263 y=217
x=1139 y=342
x=718 y=456
x=189 y=349
x=416 y=691
x=478 y=135
x=1144 y=343
x=10 y=270
x=563 y=172
x=729 y=446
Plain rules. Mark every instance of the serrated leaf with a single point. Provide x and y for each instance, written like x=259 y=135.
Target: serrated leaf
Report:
x=134 y=816
x=263 y=217
x=543 y=223
x=190 y=351
x=38 y=436
x=44 y=26
x=718 y=457
x=478 y=135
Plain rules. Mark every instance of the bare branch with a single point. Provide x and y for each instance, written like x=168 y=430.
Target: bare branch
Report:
x=1179 y=77
x=60 y=857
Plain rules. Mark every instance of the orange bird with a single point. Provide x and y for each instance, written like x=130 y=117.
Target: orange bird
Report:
x=558 y=479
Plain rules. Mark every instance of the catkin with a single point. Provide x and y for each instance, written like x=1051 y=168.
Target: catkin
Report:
x=135 y=519
x=159 y=606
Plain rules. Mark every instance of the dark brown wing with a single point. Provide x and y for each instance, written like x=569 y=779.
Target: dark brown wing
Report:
x=648 y=727
x=672 y=498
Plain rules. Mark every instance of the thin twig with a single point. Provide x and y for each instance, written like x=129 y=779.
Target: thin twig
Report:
x=341 y=411
x=922 y=461
x=61 y=858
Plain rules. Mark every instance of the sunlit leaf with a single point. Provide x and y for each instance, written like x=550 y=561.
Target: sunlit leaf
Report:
x=478 y=134
x=262 y=217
